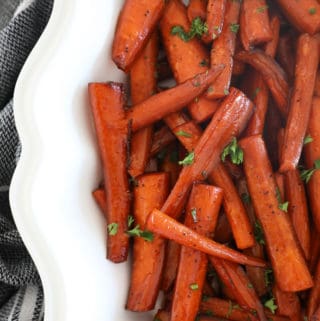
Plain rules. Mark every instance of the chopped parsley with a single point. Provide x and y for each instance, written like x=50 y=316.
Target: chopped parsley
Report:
x=268 y=277
x=234 y=27
x=308 y=139
x=262 y=9
x=271 y=305
x=231 y=308
x=204 y=63
x=250 y=286
x=136 y=231
x=255 y=93
x=306 y=174
x=194 y=215
x=210 y=89
x=183 y=134
x=226 y=92
x=283 y=206
x=194 y=286
x=312 y=10
x=258 y=233
x=130 y=220
x=197 y=29
x=234 y=151
x=112 y=228
x=188 y=160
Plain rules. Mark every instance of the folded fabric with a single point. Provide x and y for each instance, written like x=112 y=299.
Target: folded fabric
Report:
x=21 y=295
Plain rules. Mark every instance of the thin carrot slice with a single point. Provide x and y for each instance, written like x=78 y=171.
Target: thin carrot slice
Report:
x=304 y=15
x=259 y=92
x=298 y=209
x=143 y=84
x=300 y=104
x=171 y=100
x=150 y=191
x=284 y=252
x=271 y=72
x=186 y=58
x=223 y=50
x=226 y=123
x=166 y=226
x=197 y=8
x=201 y=216
x=254 y=23
x=161 y=138
x=107 y=102
x=215 y=19
x=135 y=25
x=288 y=304
x=314 y=297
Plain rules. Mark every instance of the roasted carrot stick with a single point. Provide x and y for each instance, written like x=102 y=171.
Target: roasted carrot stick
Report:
x=135 y=25
x=159 y=222
x=176 y=119
x=223 y=232
x=298 y=209
x=149 y=192
x=287 y=260
x=316 y=315
x=285 y=53
x=107 y=102
x=315 y=250
x=215 y=19
x=171 y=264
x=188 y=134
x=143 y=84
x=171 y=100
x=254 y=23
x=226 y=123
x=223 y=50
x=197 y=8
x=300 y=104
x=201 y=216
x=312 y=155
x=226 y=309
x=100 y=198
x=170 y=163
x=271 y=72
x=162 y=315
x=314 y=297
x=304 y=15
x=161 y=138
x=185 y=53
x=259 y=92
x=288 y=304
x=317 y=84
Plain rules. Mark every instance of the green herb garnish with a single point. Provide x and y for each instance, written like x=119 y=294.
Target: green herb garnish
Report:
x=188 y=160
x=234 y=151
x=197 y=29
x=136 y=231
x=112 y=228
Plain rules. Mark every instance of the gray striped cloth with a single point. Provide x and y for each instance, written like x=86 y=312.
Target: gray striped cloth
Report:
x=21 y=295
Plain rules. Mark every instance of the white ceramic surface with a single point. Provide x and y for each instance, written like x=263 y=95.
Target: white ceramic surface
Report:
x=59 y=166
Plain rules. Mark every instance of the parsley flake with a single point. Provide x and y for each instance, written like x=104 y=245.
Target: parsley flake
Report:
x=130 y=220
x=258 y=233
x=283 y=206
x=268 y=277
x=312 y=10
x=136 y=231
x=234 y=151
x=306 y=174
x=231 y=308
x=188 y=160
x=194 y=215
x=234 y=27
x=262 y=9
x=112 y=228
x=198 y=28
x=308 y=139
x=183 y=134
x=204 y=63
x=271 y=305
x=226 y=92
x=194 y=286
x=255 y=93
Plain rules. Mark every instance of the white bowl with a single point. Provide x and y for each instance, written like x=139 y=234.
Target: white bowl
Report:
x=59 y=167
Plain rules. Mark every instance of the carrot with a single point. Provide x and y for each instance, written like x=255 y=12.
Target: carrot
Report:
x=300 y=104
x=215 y=19
x=149 y=192
x=260 y=93
x=298 y=209
x=315 y=250
x=163 y=70
x=186 y=58
x=227 y=309
x=100 y=198
x=135 y=25
x=285 y=53
x=176 y=119
x=170 y=164
x=317 y=84
x=171 y=100
x=290 y=269
x=143 y=84
x=170 y=267
x=312 y=155
x=226 y=123
x=162 y=315
x=303 y=15
x=152 y=165
x=223 y=50
x=271 y=73
x=314 y=297
x=107 y=102
x=159 y=222
x=197 y=8
x=316 y=315
x=223 y=232
x=288 y=304
x=238 y=66
x=161 y=138
x=254 y=23
x=201 y=216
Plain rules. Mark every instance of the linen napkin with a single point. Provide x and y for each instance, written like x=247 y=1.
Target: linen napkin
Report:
x=21 y=24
